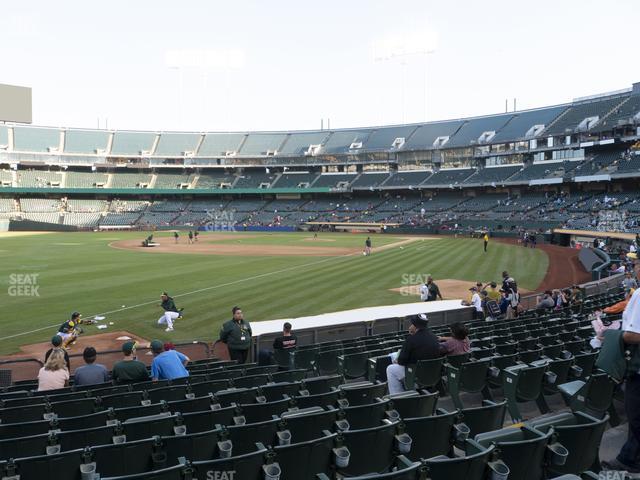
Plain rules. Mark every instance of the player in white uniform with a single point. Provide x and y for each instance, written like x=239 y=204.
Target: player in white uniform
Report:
x=171 y=313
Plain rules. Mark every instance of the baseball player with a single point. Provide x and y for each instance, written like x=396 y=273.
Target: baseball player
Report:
x=367 y=246
x=176 y=236
x=171 y=313
x=70 y=330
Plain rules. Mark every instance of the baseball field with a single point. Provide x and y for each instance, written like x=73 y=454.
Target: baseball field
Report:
x=270 y=275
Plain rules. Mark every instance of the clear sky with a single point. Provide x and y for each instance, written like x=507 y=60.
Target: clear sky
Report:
x=291 y=63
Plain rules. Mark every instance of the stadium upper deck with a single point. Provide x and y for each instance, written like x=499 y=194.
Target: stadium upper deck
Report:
x=597 y=118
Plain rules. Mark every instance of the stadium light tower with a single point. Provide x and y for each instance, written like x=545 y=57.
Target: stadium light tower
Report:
x=403 y=48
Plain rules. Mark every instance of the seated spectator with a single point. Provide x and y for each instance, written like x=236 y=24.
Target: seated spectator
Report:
x=559 y=299
x=629 y=283
x=167 y=365
x=504 y=302
x=615 y=268
x=54 y=374
x=129 y=369
x=545 y=302
x=286 y=340
x=421 y=344
x=576 y=299
x=600 y=324
x=56 y=342
x=92 y=373
x=458 y=342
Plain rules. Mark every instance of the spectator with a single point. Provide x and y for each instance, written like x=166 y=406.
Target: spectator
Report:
x=615 y=268
x=168 y=346
x=576 y=299
x=628 y=458
x=54 y=374
x=56 y=342
x=430 y=292
x=492 y=291
x=458 y=342
x=92 y=373
x=129 y=369
x=513 y=298
x=167 y=365
x=508 y=282
x=421 y=344
x=476 y=303
x=287 y=340
x=629 y=283
x=545 y=302
x=236 y=333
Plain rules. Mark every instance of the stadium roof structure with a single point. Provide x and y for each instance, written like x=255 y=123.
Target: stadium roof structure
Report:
x=583 y=116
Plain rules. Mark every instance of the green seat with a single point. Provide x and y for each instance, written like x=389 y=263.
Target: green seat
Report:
x=530 y=356
x=202 y=389
x=327 y=361
x=261 y=412
x=283 y=358
x=424 y=374
x=377 y=368
x=167 y=394
x=194 y=446
x=353 y=365
x=581 y=434
x=235 y=396
x=280 y=390
x=586 y=361
x=251 y=381
x=413 y=403
x=245 y=466
x=191 y=405
x=488 y=417
x=24 y=446
x=304 y=359
x=457 y=360
x=309 y=423
x=470 y=377
x=119 y=400
x=562 y=369
x=474 y=465
x=372 y=449
x=365 y=416
x=304 y=460
x=362 y=393
x=593 y=396
x=30 y=413
x=124 y=414
x=204 y=421
x=74 y=439
x=146 y=427
x=403 y=469
x=295 y=375
x=323 y=384
x=29 y=429
x=524 y=383
x=244 y=437
x=524 y=450
x=319 y=400
x=494 y=379
x=261 y=370
x=431 y=436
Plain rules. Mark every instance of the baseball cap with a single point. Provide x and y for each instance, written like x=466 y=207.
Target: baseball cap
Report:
x=127 y=347
x=75 y=315
x=420 y=320
x=89 y=352
x=632 y=256
x=168 y=346
x=56 y=340
x=157 y=346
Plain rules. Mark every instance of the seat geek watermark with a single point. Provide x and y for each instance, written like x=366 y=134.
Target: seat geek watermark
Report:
x=23 y=285
x=411 y=283
x=228 y=475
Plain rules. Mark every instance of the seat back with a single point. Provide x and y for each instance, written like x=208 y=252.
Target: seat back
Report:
x=413 y=404
x=195 y=446
x=431 y=436
x=128 y=458
x=472 y=466
x=372 y=449
x=365 y=416
x=305 y=426
x=260 y=412
x=429 y=372
x=244 y=437
x=323 y=384
x=362 y=393
x=204 y=421
x=488 y=417
x=246 y=466
x=306 y=459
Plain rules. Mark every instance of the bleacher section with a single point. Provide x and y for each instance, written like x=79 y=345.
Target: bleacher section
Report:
x=34 y=139
x=86 y=206
x=171 y=181
x=86 y=180
x=451 y=177
x=259 y=144
x=132 y=143
x=370 y=180
x=298 y=143
x=254 y=179
x=333 y=180
x=522 y=122
x=39 y=178
x=318 y=402
x=177 y=144
x=622 y=114
x=295 y=180
x=493 y=175
x=86 y=141
x=219 y=144
x=425 y=135
x=571 y=119
x=340 y=141
x=406 y=178
x=214 y=180
x=471 y=131
x=131 y=180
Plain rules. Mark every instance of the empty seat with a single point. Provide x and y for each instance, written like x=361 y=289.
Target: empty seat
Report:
x=146 y=427
x=244 y=437
x=366 y=416
x=474 y=465
x=593 y=395
x=470 y=377
x=431 y=436
x=124 y=414
x=177 y=472
x=362 y=393
x=236 y=396
x=167 y=394
x=319 y=400
x=308 y=424
x=413 y=403
x=204 y=421
x=74 y=439
x=580 y=434
x=424 y=374
x=194 y=446
x=259 y=412
x=323 y=384
x=372 y=449
x=488 y=417
x=403 y=469
x=524 y=383
x=191 y=405
x=127 y=458
x=202 y=389
x=278 y=391
x=247 y=466
x=304 y=460
x=353 y=365
x=24 y=446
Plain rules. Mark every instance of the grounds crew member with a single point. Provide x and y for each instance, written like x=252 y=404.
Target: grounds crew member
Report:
x=485 y=238
x=367 y=246
x=236 y=333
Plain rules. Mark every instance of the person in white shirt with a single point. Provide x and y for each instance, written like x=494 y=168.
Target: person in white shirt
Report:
x=632 y=248
x=628 y=458
x=476 y=303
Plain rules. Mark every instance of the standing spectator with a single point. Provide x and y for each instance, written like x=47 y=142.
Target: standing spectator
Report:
x=54 y=374
x=458 y=342
x=92 y=373
x=492 y=292
x=287 y=340
x=129 y=369
x=576 y=299
x=629 y=457
x=476 y=303
x=167 y=365
x=236 y=333
x=513 y=298
x=421 y=344
x=56 y=342
x=508 y=282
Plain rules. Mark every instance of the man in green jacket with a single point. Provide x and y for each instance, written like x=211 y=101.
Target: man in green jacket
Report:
x=236 y=333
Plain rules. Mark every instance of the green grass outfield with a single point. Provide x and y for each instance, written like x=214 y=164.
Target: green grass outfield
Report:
x=80 y=271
